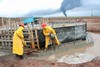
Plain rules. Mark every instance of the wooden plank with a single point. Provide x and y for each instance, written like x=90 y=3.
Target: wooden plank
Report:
x=31 y=36
x=9 y=28
x=2 y=30
x=14 y=26
x=37 y=39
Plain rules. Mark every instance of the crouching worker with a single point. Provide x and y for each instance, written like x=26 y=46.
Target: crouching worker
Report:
x=18 y=41
x=47 y=31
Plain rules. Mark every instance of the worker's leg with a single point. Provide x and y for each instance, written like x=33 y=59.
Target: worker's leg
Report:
x=47 y=38
x=21 y=56
x=57 y=41
x=16 y=55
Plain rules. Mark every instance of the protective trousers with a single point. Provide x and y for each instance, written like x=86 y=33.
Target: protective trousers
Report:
x=47 y=39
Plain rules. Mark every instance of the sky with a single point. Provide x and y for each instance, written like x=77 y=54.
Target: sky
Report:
x=49 y=8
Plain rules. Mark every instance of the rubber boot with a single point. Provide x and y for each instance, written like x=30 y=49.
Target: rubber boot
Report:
x=21 y=57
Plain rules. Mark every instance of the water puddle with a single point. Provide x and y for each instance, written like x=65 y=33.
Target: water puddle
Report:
x=96 y=48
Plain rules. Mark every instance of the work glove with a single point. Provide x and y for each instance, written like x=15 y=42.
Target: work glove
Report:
x=49 y=34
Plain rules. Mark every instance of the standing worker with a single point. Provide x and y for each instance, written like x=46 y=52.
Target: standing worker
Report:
x=47 y=31
x=18 y=41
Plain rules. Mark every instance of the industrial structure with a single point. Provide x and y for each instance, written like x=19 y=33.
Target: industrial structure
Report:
x=68 y=29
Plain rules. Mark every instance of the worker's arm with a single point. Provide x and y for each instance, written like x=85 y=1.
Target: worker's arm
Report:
x=20 y=34
x=45 y=32
x=24 y=43
x=52 y=30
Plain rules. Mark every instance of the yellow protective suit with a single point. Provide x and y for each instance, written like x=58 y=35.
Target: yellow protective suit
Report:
x=47 y=31
x=18 y=41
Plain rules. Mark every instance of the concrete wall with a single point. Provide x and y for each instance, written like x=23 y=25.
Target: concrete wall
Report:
x=66 y=34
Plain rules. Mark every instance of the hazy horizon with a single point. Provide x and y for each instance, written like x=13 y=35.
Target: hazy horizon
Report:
x=49 y=8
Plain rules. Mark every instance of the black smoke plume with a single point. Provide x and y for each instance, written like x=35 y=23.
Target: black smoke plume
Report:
x=69 y=4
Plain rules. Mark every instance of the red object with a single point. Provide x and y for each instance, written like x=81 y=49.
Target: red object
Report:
x=43 y=25
x=28 y=53
x=21 y=24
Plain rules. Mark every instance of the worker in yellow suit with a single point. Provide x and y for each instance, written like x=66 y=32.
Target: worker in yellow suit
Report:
x=47 y=30
x=18 y=41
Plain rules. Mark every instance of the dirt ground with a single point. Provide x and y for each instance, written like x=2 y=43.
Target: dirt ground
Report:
x=12 y=61
x=93 y=27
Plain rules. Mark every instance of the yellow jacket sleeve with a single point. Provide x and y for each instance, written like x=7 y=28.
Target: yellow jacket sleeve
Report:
x=20 y=34
x=45 y=32
x=52 y=30
x=48 y=30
